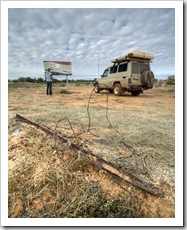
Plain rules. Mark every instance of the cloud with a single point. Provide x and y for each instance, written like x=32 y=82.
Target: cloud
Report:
x=86 y=36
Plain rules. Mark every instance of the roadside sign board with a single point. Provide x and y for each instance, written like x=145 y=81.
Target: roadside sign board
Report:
x=58 y=67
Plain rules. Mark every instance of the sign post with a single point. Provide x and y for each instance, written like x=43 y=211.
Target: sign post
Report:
x=67 y=79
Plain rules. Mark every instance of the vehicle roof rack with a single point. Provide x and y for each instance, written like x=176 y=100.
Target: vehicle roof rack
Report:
x=134 y=55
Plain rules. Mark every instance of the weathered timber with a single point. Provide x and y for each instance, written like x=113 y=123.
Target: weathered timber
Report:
x=106 y=165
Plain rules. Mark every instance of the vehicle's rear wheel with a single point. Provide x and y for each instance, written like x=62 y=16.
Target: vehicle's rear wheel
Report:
x=96 y=88
x=117 y=90
x=135 y=93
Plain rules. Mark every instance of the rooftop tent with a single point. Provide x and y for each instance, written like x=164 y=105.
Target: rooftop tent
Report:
x=135 y=54
x=58 y=67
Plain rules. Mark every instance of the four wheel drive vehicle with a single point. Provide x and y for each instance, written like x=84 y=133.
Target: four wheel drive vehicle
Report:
x=129 y=73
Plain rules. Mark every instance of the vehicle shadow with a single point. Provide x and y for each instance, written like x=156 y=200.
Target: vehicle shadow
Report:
x=142 y=95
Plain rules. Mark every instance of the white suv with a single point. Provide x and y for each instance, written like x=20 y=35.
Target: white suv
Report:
x=129 y=73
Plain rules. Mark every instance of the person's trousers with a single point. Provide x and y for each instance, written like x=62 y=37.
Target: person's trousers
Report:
x=49 y=88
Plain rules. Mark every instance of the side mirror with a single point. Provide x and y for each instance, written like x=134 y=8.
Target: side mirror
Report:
x=102 y=76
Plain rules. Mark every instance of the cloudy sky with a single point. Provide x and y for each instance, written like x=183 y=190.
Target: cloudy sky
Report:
x=89 y=38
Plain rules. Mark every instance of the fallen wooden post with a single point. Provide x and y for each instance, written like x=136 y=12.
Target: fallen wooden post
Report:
x=108 y=166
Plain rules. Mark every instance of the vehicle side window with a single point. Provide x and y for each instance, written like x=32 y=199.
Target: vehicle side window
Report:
x=105 y=74
x=122 y=67
x=144 y=67
x=135 y=68
x=113 y=69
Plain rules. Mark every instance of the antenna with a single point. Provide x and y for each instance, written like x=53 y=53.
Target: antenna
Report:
x=98 y=66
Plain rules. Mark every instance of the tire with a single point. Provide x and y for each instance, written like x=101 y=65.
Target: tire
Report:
x=151 y=79
x=117 y=90
x=144 y=77
x=147 y=78
x=96 y=88
x=135 y=93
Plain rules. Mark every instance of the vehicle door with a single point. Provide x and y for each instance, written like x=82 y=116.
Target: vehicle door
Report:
x=103 y=81
x=112 y=76
x=135 y=74
x=122 y=74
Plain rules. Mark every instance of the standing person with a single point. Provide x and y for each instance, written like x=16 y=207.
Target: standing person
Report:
x=49 y=81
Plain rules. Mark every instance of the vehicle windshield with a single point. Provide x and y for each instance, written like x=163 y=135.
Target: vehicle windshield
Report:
x=105 y=74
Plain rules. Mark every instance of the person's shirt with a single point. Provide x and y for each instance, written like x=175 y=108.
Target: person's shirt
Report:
x=48 y=76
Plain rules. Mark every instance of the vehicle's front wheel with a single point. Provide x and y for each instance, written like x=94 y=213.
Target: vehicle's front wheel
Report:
x=96 y=88
x=135 y=93
x=117 y=90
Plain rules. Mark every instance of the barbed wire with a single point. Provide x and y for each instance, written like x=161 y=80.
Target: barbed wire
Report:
x=87 y=128
x=134 y=152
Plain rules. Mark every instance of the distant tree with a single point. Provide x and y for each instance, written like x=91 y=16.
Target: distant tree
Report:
x=155 y=80
x=28 y=79
x=21 y=79
x=170 y=80
x=160 y=82
x=40 y=80
x=55 y=80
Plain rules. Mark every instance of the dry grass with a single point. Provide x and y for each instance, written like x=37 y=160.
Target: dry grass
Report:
x=50 y=182
x=48 y=179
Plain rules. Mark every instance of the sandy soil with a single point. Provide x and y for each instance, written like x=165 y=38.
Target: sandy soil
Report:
x=81 y=103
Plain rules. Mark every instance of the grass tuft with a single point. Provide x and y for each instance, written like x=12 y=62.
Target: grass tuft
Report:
x=65 y=91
